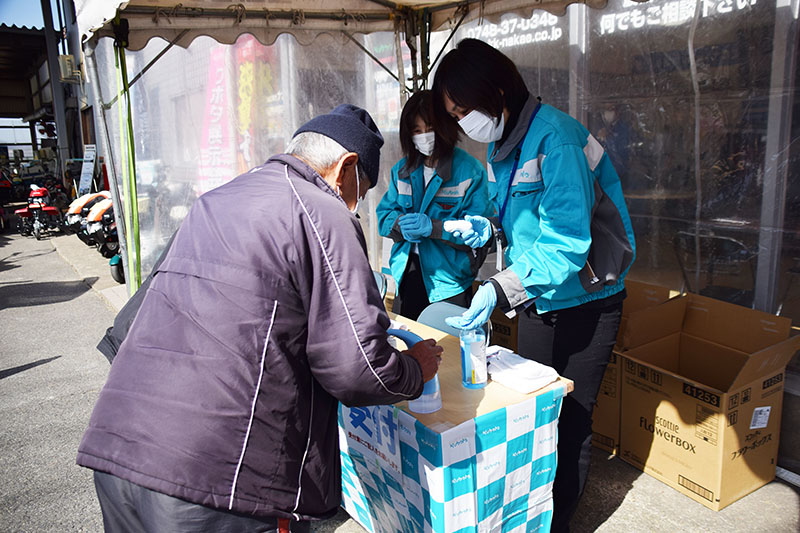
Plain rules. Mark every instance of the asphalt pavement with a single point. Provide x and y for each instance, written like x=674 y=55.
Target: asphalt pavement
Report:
x=56 y=300
x=50 y=375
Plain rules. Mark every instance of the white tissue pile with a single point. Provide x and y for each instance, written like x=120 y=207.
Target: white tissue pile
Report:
x=516 y=372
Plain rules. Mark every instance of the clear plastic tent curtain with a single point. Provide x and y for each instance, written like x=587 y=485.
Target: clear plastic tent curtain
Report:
x=305 y=19
x=204 y=114
x=705 y=139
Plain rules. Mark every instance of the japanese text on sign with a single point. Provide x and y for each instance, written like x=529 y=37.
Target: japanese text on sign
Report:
x=376 y=432
x=667 y=14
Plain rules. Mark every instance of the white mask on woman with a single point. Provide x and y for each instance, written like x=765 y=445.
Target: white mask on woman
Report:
x=424 y=142
x=481 y=127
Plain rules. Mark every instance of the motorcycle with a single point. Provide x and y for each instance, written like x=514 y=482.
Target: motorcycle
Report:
x=101 y=228
x=40 y=215
x=79 y=209
x=91 y=218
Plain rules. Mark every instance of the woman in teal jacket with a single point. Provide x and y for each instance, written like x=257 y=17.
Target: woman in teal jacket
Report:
x=561 y=226
x=433 y=183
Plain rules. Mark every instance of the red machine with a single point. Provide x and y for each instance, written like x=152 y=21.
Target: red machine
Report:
x=40 y=215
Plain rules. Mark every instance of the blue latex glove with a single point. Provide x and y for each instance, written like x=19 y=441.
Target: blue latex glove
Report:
x=415 y=226
x=480 y=233
x=483 y=304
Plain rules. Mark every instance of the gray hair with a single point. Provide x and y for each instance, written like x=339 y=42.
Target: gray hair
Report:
x=319 y=151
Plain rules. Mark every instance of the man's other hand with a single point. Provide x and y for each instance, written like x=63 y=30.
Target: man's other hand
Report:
x=429 y=355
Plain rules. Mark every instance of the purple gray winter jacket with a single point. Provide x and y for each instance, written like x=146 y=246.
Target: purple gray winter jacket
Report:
x=262 y=317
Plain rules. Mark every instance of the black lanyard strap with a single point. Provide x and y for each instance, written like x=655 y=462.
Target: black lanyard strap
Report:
x=516 y=162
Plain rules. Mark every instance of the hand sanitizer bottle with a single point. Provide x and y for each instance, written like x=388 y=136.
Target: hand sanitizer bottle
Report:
x=473 y=358
x=430 y=400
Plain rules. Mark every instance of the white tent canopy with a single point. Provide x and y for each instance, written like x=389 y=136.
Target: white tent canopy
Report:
x=225 y=20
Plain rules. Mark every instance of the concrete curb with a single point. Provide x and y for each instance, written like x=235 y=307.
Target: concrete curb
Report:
x=91 y=267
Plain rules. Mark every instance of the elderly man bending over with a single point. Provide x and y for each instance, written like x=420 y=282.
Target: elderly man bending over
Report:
x=220 y=410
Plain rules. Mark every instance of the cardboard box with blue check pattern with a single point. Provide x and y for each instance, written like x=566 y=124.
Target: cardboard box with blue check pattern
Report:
x=493 y=473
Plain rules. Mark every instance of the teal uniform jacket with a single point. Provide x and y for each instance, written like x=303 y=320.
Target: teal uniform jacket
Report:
x=569 y=238
x=458 y=188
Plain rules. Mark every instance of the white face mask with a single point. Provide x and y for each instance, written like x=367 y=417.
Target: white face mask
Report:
x=358 y=193
x=481 y=127
x=424 y=142
x=609 y=116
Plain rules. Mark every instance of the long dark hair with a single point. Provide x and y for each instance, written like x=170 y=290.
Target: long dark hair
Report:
x=474 y=75
x=421 y=105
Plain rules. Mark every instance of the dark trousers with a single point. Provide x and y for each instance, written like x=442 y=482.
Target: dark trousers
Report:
x=577 y=342
x=412 y=298
x=130 y=508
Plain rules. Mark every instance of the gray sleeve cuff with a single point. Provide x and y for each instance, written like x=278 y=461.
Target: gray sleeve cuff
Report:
x=396 y=235
x=512 y=289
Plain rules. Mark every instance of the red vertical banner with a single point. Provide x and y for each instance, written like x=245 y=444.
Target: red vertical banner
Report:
x=217 y=164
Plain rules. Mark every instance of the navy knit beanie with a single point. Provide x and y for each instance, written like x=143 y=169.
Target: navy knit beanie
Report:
x=353 y=128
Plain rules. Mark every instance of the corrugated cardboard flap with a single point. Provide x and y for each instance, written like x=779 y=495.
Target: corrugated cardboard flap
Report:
x=767 y=362
x=732 y=325
x=642 y=295
x=647 y=325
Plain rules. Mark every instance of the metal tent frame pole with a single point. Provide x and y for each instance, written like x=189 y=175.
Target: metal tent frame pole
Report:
x=578 y=67
x=57 y=90
x=103 y=135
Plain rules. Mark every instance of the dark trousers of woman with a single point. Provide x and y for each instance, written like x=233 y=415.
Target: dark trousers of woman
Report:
x=130 y=508
x=412 y=298
x=577 y=342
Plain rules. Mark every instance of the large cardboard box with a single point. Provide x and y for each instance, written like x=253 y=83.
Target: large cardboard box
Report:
x=504 y=330
x=491 y=473
x=605 y=418
x=702 y=389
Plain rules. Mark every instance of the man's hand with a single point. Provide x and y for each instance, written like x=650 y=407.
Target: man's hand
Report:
x=415 y=226
x=479 y=312
x=429 y=355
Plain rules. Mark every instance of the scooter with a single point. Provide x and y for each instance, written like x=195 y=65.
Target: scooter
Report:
x=79 y=209
x=101 y=228
x=39 y=216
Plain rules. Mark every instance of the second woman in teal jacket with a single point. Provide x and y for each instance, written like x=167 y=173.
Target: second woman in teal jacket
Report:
x=433 y=183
